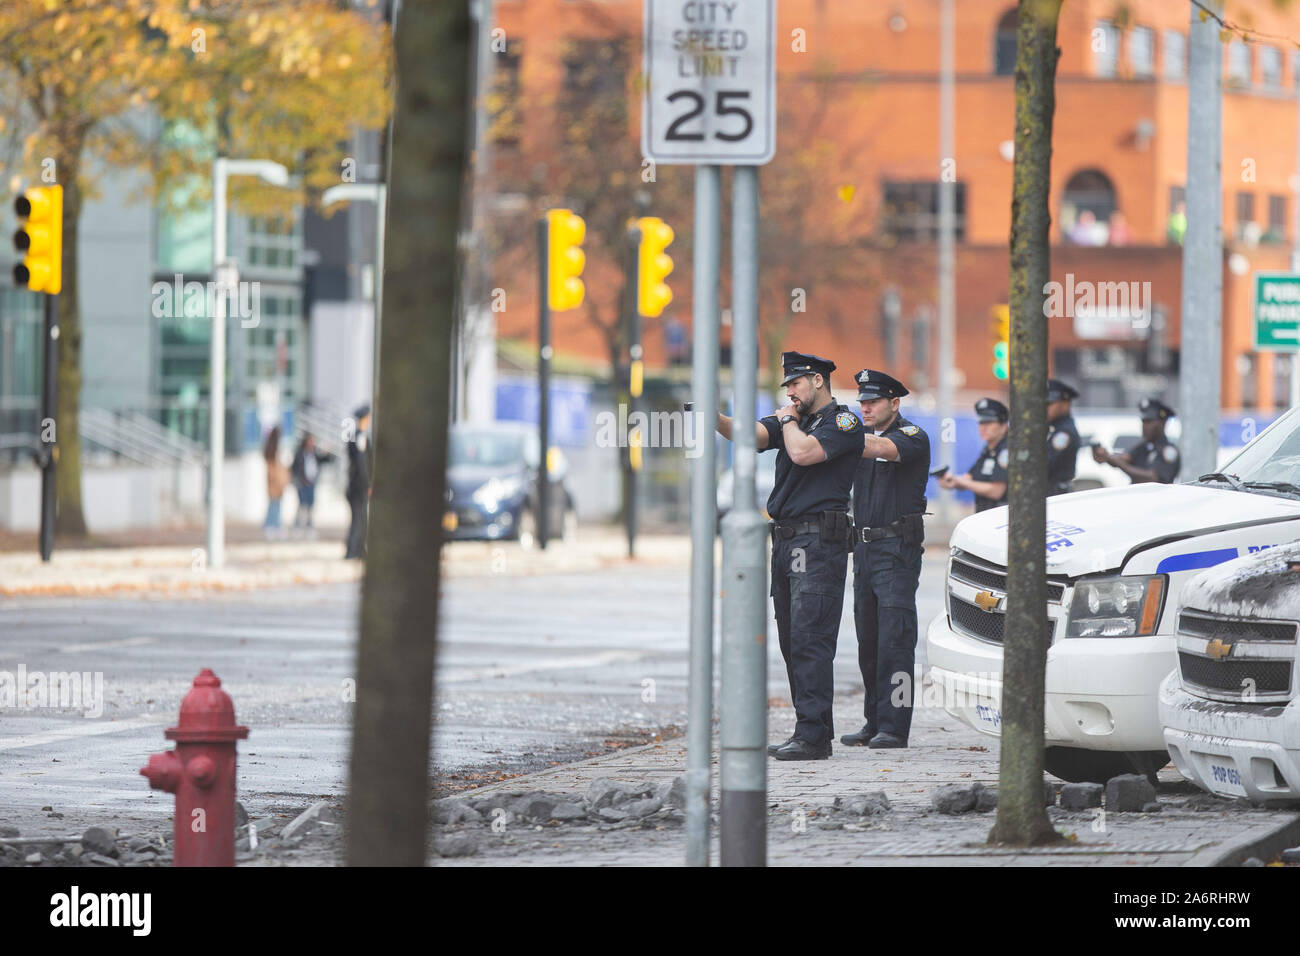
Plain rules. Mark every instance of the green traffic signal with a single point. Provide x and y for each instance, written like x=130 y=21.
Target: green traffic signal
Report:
x=1001 y=366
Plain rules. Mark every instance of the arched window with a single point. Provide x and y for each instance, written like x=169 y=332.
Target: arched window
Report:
x=1004 y=43
x=1087 y=208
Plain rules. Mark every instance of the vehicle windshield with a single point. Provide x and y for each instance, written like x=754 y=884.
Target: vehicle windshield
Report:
x=1273 y=457
x=485 y=448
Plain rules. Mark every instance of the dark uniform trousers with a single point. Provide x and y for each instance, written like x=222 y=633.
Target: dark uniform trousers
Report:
x=808 y=587
x=885 y=577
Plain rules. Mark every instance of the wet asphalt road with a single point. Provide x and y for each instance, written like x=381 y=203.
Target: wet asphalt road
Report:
x=532 y=671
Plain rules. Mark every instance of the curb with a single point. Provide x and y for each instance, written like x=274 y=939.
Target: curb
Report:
x=1284 y=835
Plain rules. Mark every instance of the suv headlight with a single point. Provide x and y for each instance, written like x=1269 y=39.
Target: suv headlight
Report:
x=492 y=492
x=1120 y=606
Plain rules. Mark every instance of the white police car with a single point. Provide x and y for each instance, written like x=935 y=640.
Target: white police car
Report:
x=1231 y=710
x=1117 y=560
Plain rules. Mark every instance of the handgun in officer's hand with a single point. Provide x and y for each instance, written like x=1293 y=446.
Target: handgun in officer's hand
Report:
x=939 y=472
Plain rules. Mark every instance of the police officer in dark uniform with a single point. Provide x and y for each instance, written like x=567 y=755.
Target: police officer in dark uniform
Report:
x=1062 y=437
x=888 y=502
x=818 y=444
x=987 y=478
x=1155 y=458
x=358 y=490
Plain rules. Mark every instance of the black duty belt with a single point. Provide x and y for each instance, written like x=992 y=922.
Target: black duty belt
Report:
x=867 y=535
x=794 y=526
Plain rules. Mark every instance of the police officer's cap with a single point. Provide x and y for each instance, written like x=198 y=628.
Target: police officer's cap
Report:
x=1152 y=409
x=991 y=410
x=1058 y=391
x=798 y=364
x=873 y=384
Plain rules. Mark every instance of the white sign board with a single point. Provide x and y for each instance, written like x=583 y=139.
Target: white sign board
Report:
x=710 y=82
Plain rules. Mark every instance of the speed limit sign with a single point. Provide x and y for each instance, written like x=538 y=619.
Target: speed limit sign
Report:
x=710 y=82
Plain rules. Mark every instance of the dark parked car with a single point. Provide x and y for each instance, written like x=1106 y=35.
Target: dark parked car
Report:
x=492 y=483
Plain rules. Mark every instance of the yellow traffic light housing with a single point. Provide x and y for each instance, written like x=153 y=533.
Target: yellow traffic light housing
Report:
x=652 y=292
x=1001 y=329
x=40 y=239
x=565 y=260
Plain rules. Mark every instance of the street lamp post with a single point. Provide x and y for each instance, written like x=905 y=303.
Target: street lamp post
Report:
x=222 y=169
x=376 y=193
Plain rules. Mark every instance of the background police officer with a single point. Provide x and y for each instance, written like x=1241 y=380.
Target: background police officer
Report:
x=818 y=444
x=1062 y=437
x=987 y=478
x=1155 y=458
x=888 y=501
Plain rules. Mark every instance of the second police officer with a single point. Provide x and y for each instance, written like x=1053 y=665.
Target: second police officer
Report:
x=888 y=504
x=1062 y=437
x=987 y=478
x=818 y=445
x=1155 y=458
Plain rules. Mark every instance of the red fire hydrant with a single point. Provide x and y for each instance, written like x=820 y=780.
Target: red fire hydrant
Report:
x=201 y=772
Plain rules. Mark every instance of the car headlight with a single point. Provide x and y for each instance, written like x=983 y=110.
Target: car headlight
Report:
x=492 y=492
x=1119 y=606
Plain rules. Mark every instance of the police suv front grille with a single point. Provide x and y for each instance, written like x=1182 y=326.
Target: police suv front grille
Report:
x=985 y=625
x=1206 y=625
x=985 y=576
x=1246 y=677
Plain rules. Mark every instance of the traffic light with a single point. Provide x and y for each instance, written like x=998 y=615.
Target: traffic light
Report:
x=652 y=292
x=1001 y=329
x=566 y=259
x=40 y=239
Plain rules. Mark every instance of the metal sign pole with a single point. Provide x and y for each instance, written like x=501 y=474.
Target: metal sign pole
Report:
x=49 y=404
x=704 y=510
x=743 y=732
x=543 y=381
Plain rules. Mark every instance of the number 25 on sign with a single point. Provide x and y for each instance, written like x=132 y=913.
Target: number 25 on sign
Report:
x=710 y=90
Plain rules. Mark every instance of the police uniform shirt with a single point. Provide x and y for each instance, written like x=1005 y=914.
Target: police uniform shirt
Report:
x=811 y=489
x=991 y=465
x=1062 y=454
x=884 y=491
x=1159 y=456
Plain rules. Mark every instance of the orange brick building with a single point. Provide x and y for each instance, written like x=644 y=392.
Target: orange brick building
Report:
x=868 y=75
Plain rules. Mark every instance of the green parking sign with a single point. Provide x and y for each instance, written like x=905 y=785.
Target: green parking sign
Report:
x=1277 y=312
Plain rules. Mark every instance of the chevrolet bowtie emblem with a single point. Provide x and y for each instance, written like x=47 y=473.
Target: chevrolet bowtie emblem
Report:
x=1217 y=649
x=987 y=601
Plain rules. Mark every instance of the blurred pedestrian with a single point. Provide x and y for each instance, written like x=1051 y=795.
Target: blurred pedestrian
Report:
x=1176 y=230
x=359 y=482
x=1120 y=233
x=304 y=471
x=277 y=479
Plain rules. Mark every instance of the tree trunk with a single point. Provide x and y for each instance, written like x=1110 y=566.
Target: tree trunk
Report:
x=1021 y=815
x=69 y=521
x=388 y=797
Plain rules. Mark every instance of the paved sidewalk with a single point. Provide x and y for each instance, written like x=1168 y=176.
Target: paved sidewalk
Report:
x=1191 y=829
x=179 y=569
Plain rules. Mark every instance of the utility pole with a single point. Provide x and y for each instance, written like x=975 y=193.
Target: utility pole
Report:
x=49 y=455
x=1201 y=341
x=704 y=509
x=947 y=237
x=742 y=754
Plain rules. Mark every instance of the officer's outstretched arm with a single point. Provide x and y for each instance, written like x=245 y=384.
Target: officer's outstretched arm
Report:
x=873 y=446
x=725 y=426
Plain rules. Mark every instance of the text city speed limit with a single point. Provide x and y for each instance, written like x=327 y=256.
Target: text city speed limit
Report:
x=710 y=90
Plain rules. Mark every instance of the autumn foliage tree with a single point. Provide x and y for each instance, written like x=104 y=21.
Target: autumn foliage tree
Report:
x=244 y=78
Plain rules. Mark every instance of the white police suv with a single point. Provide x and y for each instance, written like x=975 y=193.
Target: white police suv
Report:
x=1231 y=709
x=1117 y=561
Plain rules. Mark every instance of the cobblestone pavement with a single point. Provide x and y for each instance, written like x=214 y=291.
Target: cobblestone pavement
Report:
x=1192 y=828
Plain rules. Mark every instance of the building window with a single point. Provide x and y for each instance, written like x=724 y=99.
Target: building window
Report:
x=1105 y=46
x=1088 y=207
x=1004 y=43
x=1247 y=230
x=910 y=211
x=1270 y=67
x=503 y=100
x=1277 y=205
x=273 y=242
x=1238 y=64
x=1175 y=55
x=1142 y=51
